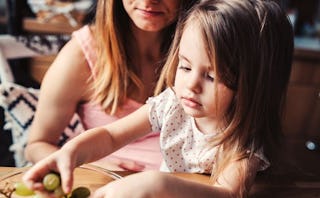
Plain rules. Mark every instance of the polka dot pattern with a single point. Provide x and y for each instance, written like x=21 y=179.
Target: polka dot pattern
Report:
x=183 y=146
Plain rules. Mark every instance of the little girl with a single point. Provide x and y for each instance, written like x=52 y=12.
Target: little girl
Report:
x=227 y=75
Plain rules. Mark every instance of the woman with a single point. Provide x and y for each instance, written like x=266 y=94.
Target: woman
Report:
x=106 y=71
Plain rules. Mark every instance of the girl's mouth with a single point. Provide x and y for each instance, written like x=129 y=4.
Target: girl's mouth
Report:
x=189 y=102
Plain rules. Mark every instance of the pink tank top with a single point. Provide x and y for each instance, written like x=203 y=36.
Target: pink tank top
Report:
x=146 y=150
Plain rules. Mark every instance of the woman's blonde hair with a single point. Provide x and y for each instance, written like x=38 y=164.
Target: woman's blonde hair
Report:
x=250 y=43
x=113 y=71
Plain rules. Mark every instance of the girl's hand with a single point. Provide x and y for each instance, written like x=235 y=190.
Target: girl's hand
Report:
x=59 y=162
x=131 y=166
x=145 y=184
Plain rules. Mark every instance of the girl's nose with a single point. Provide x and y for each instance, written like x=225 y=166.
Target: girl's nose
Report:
x=154 y=1
x=194 y=83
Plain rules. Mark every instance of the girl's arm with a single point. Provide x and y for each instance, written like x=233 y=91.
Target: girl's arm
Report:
x=162 y=185
x=99 y=142
x=89 y=146
x=228 y=184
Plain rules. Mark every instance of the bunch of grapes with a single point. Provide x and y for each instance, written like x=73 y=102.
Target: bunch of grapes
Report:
x=52 y=184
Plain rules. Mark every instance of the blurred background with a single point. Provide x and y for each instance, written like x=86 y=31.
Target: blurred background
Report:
x=33 y=31
x=31 y=34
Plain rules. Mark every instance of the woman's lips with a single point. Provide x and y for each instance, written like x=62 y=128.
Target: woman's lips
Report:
x=150 y=13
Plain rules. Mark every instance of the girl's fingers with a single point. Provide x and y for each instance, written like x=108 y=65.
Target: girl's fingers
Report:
x=131 y=165
x=104 y=191
x=67 y=180
x=33 y=178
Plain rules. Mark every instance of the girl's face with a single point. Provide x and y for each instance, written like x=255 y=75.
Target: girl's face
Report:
x=152 y=15
x=196 y=86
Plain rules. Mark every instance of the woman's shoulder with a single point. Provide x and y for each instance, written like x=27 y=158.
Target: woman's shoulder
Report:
x=85 y=39
x=85 y=30
x=85 y=36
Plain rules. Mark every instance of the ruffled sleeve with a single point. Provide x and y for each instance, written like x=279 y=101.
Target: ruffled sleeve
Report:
x=160 y=107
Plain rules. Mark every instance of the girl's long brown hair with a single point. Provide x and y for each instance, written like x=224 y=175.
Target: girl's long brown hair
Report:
x=113 y=71
x=250 y=43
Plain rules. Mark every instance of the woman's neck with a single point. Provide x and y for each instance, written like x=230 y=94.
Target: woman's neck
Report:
x=146 y=45
x=145 y=56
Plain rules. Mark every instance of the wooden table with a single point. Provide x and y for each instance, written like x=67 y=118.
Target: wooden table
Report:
x=194 y=177
x=267 y=185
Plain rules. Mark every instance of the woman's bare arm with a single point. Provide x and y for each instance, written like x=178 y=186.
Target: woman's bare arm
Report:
x=64 y=86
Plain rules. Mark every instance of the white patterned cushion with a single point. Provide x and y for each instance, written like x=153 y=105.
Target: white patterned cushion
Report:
x=19 y=104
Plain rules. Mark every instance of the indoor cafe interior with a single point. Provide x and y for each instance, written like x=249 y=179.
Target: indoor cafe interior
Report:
x=30 y=39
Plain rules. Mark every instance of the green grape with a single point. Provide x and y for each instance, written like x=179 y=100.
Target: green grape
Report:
x=22 y=189
x=58 y=192
x=51 y=181
x=38 y=196
x=80 y=192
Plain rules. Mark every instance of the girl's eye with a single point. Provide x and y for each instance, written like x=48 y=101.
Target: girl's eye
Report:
x=184 y=68
x=209 y=77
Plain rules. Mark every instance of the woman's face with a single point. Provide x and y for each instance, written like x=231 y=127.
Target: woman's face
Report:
x=152 y=15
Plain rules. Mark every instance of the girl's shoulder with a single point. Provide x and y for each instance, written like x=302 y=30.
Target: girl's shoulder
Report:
x=167 y=98
x=163 y=107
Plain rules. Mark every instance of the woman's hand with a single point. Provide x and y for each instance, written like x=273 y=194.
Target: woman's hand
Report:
x=60 y=162
x=140 y=185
